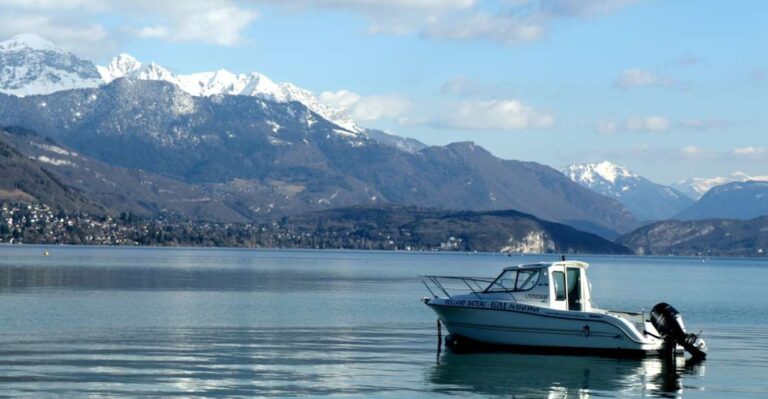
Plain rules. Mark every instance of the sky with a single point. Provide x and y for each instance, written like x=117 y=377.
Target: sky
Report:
x=671 y=89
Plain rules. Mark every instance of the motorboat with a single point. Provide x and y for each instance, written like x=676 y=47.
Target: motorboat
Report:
x=548 y=306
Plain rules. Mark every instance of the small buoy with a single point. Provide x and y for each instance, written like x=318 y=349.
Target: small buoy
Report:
x=45 y=253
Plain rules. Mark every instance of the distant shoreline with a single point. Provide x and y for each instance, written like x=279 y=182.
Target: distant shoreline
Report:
x=348 y=250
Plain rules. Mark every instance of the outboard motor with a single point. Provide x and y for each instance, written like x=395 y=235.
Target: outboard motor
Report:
x=669 y=323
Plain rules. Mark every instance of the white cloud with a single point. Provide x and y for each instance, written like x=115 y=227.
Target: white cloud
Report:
x=503 y=29
x=85 y=39
x=512 y=22
x=384 y=16
x=584 y=8
x=606 y=127
x=648 y=124
x=341 y=99
x=157 y=31
x=472 y=88
x=491 y=115
x=378 y=107
x=637 y=77
x=476 y=105
x=222 y=22
x=656 y=124
x=367 y=108
x=702 y=124
x=216 y=24
x=41 y=5
x=751 y=152
x=692 y=151
x=77 y=25
x=372 y=6
x=736 y=154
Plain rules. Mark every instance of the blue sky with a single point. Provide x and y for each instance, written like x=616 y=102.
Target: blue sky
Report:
x=672 y=89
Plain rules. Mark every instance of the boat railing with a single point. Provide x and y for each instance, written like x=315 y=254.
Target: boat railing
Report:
x=456 y=285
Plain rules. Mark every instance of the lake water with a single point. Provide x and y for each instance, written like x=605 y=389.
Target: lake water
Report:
x=122 y=322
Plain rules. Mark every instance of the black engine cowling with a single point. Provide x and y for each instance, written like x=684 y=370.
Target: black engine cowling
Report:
x=669 y=323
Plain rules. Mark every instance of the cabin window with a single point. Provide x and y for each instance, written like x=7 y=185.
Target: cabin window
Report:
x=558 y=279
x=574 y=288
x=515 y=280
x=526 y=279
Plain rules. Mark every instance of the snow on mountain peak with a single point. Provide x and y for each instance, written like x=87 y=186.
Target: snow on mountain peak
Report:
x=28 y=41
x=121 y=66
x=644 y=198
x=610 y=171
x=126 y=66
x=698 y=186
x=589 y=173
x=33 y=65
x=224 y=82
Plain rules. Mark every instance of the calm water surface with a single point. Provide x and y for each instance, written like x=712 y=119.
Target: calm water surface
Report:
x=116 y=322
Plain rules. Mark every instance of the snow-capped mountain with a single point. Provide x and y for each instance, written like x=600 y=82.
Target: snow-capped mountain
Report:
x=30 y=64
x=698 y=186
x=290 y=159
x=645 y=199
x=735 y=200
x=223 y=82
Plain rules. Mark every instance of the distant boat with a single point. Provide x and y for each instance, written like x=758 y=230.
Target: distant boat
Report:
x=549 y=306
x=45 y=253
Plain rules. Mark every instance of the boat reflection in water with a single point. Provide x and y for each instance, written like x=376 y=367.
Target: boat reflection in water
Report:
x=530 y=375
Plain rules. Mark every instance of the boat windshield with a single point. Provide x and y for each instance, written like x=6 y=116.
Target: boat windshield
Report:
x=515 y=280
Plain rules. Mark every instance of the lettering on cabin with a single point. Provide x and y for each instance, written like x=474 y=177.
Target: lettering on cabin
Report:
x=536 y=296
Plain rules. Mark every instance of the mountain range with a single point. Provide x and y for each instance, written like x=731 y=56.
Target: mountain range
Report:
x=270 y=154
x=490 y=231
x=737 y=200
x=224 y=147
x=698 y=186
x=33 y=65
x=715 y=237
x=30 y=64
x=223 y=82
x=645 y=199
x=117 y=190
x=45 y=171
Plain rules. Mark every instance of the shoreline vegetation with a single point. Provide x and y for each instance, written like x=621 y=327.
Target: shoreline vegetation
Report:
x=356 y=228
x=393 y=228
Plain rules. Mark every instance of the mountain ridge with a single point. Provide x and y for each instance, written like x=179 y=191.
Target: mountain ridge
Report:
x=285 y=145
x=223 y=82
x=28 y=181
x=33 y=65
x=645 y=199
x=709 y=237
x=735 y=200
x=696 y=187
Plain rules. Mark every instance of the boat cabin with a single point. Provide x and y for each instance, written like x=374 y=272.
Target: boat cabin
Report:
x=559 y=285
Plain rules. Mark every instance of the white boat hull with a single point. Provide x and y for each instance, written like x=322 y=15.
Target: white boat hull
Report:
x=515 y=324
